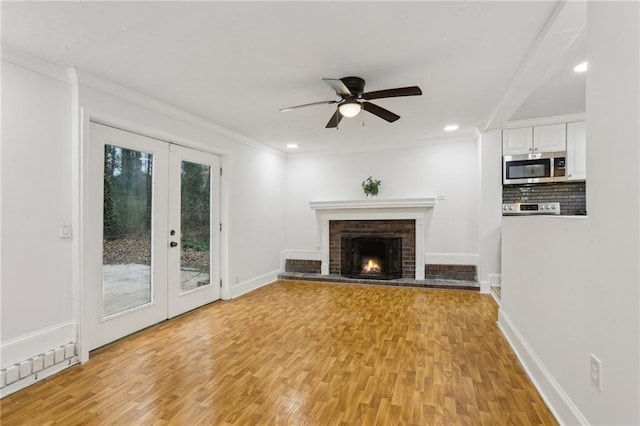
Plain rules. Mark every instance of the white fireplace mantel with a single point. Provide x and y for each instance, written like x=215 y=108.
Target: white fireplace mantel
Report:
x=402 y=203
x=373 y=209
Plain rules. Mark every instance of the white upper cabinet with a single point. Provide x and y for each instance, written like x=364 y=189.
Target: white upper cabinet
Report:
x=531 y=140
x=550 y=138
x=517 y=141
x=576 y=151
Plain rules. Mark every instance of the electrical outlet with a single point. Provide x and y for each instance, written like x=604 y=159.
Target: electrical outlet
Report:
x=237 y=280
x=596 y=372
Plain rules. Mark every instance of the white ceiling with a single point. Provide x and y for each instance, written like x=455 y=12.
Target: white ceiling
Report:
x=561 y=91
x=237 y=63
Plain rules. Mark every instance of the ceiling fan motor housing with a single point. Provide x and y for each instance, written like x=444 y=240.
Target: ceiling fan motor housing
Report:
x=355 y=85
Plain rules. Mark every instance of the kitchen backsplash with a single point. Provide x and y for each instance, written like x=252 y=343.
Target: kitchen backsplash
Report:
x=570 y=195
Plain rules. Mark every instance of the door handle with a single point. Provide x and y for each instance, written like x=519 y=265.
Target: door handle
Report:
x=173 y=244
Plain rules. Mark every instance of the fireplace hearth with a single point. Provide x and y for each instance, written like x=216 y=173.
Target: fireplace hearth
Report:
x=371 y=257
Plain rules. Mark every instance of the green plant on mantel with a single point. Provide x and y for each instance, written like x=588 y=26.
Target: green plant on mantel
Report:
x=371 y=186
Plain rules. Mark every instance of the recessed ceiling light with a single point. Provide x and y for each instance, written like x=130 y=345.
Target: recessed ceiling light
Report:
x=451 y=127
x=581 y=67
x=292 y=145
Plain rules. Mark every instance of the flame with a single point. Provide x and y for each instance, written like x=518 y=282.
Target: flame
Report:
x=371 y=267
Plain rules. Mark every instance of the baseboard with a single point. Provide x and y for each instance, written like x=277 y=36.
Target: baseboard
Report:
x=562 y=407
x=36 y=377
x=485 y=287
x=495 y=279
x=497 y=298
x=23 y=347
x=254 y=283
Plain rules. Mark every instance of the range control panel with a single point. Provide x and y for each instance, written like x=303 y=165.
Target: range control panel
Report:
x=517 y=209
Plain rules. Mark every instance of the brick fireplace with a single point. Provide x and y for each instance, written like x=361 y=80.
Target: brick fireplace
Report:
x=403 y=229
x=404 y=217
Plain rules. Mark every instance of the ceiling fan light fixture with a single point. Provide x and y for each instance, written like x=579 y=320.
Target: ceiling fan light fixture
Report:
x=350 y=109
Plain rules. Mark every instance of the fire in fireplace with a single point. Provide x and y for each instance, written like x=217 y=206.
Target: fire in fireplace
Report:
x=371 y=257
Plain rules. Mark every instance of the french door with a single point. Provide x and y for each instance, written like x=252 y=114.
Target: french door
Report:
x=156 y=209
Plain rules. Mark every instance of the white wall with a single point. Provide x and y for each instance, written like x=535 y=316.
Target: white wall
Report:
x=575 y=291
x=490 y=211
x=36 y=199
x=447 y=168
x=256 y=217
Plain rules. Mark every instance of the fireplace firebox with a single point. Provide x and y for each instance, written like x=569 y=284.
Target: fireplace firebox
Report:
x=371 y=257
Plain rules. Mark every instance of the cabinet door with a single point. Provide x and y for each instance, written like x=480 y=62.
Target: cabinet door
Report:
x=550 y=138
x=576 y=151
x=517 y=141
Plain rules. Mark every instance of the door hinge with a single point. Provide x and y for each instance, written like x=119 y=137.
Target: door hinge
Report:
x=220 y=227
x=220 y=282
x=220 y=171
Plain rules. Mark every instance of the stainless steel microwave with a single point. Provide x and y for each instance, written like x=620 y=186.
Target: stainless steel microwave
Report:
x=534 y=168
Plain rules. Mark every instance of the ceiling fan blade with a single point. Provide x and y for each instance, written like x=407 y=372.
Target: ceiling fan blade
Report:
x=385 y=114
x=338 y=86
x=307 y=105
x=393 y=93
x=334 y=121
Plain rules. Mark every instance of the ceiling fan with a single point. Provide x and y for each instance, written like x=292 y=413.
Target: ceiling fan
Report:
x=351 y=92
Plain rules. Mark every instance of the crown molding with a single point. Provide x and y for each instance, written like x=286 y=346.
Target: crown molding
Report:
x=465 y=137
x=74 y=76
x=92 y=81
x=24 y=60
x=541 y=121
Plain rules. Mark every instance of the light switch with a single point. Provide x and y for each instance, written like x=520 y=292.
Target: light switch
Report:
x=65 y=230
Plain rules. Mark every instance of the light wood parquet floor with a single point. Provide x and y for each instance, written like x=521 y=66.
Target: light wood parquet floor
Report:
x=301 y=353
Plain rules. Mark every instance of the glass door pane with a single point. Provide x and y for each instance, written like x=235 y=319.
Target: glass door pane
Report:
x=195 y=224
x=193 y=271
x=126 y=247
